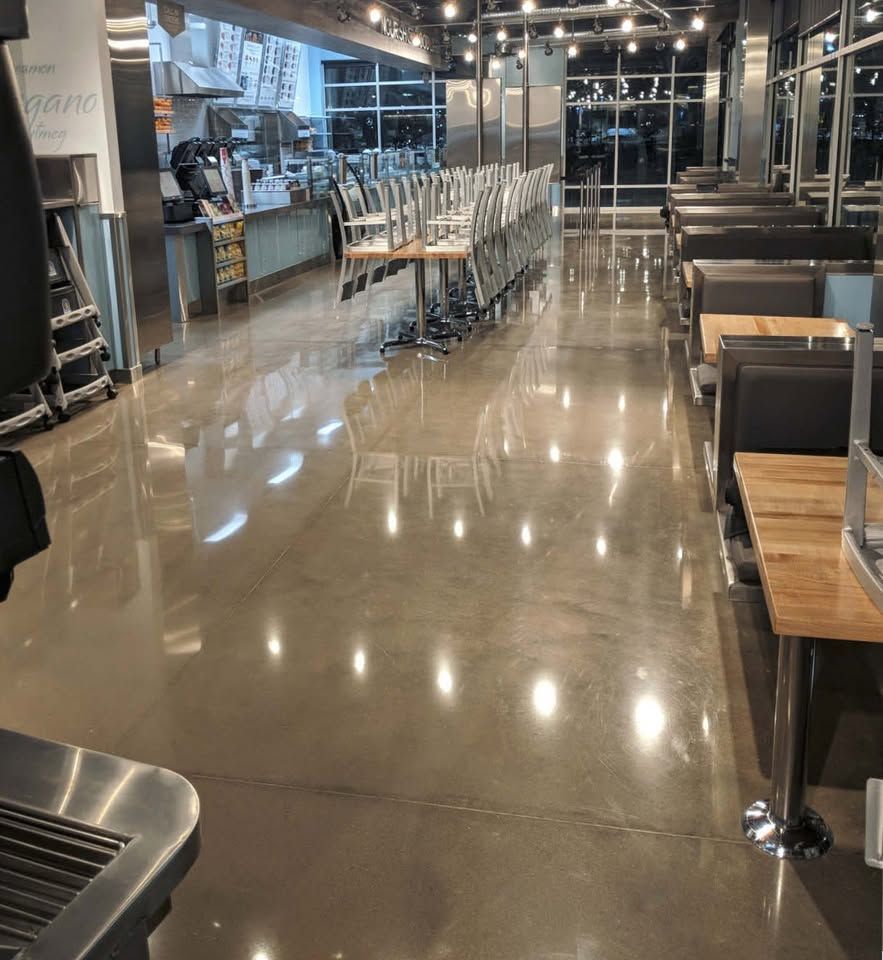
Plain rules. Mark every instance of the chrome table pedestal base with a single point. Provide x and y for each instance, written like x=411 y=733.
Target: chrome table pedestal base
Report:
x=807 y=839
x=784 y=826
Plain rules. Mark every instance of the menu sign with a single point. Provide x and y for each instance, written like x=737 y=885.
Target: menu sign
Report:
x=170 y=17
x=270 y=71
x=288 y=82
x=229 y=43
x=250 y=66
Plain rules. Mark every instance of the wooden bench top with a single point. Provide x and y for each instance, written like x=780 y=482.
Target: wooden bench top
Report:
x=715 y=325
x=413 y=250
x=794 y=506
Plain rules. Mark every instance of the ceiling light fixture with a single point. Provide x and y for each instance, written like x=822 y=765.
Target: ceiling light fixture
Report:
x=521 y=53
x=606 y=49
x=612 y=3
x=680 y=44
x=660 y=45
x=494 y=63
x=469 y=56
x=416 y=12
x=572 y=51
x=528 y=6
x=502 y=35
x=558 y=30
x=375 y=14
x=627 y=25
x=547 y=50
x=416 y=40
x=871 y=15
x=473 y=37
x=343 y=14
x=450 y=10
x=632 y=47
x=532 y=32
x=598 y=27
x=698 y=23
x=519 y=64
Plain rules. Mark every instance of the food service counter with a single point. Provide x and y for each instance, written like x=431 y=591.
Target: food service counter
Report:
x=281 y=241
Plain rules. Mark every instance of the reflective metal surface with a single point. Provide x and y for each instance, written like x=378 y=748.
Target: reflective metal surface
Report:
x=711 y=119
x=752 y=163
x=514 y=120
x=461 y=142
x=492 y=121
x=133 y=105
x=442 y=643
x=544 y=139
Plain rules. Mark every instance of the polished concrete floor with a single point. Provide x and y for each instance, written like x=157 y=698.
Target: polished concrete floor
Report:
x=442 y=643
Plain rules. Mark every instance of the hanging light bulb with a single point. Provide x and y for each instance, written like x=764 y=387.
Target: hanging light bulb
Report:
x=697 y=23
x=572 y=50
x=632 y=47
x=598 y=26
x=627 y=25
x=871 y=15
x=660 y=45
x=528 y=6
x=415 y=40
x=450 y=10
x=521 y=53
x=469 y=56
x=547 y=50
x=502 y=35
x=559 y=30
x=473 y=37
x=606 y=49
x=375 y=14
x=494 y=63
x=612 y=3
x=680 y=44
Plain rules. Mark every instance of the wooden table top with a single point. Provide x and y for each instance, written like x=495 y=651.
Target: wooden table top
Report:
x=715 y=325
x=794 y=507
x=687 y=271
x=413 y=250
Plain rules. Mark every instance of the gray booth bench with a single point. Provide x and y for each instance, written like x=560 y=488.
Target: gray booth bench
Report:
x=777 y=395
x=780 y=242
x=725 y=214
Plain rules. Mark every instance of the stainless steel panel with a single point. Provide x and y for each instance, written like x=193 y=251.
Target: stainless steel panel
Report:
x=461 y=110
x=712 y=100
x=492 y=116
x=751 y=138
x=544 y=135
x=133 y=102
x=514 y=119
x=877 y=289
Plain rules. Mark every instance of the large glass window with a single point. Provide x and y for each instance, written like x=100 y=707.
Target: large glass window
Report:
x=371 y=107
x=786 y=52
x=640 y=116
x=783 y=121
x=643 y=144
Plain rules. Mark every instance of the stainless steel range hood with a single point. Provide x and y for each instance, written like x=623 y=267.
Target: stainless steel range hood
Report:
x=180 y=79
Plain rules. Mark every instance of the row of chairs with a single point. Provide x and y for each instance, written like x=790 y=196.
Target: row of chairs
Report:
x=497 y=216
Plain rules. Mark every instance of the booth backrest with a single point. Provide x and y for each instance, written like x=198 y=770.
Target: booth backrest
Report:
x=755 y=215
x=759 y=289
x=786 y=397
x=738 y=198
x=780 y=242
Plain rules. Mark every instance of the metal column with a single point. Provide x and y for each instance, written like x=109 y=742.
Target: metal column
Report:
x=784 y=826
x=712 y=101
x=751 y=134
x=479 y=89
x=525 y=100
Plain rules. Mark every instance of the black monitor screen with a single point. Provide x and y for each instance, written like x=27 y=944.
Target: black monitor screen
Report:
x=214 y=180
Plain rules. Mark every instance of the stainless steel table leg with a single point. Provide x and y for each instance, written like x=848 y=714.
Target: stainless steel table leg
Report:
x=443 y=293
x=421 y=339
x=784 y=826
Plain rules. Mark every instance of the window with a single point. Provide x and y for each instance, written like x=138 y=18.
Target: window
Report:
x=643 y=144
x=371 y=107
x=786 y=52
x=647 y=59
x=591 y=139
x=687 y=136
x=783 y=122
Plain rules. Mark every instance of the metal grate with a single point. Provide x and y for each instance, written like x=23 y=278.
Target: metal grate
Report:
x=44 y=863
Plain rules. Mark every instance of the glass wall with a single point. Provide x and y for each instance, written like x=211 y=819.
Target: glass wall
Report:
x=377 y=107
x=826 y=112
x=639 y=115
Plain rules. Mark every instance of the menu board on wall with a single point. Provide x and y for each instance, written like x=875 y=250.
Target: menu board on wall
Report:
x=229 y=43
x=250 y=67
x=288 y=82
x=270 y=71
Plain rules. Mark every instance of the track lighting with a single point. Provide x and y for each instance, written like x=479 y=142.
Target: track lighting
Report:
x=473 y=37
x=416 y=11
x=871 y=15
x=469 y=56
x=680 y=44
x=559 y=30
x=343 y=14
x=627 y=25
x=662 y=23
x=449 y=10
x=598 y=26
x=446 y=36
x=415 y=40
x=532 y=31
x=612 y=3
x=606 y=49
x=632 y=47
x=521 y=53
x=491 y=6
x=572 y=50
x=660 y=45
x=494 y=63
x=375 y=14
x=502 y=35
x=528 y=6
x=547 y=49
x=698 y=23
x=519 y=64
